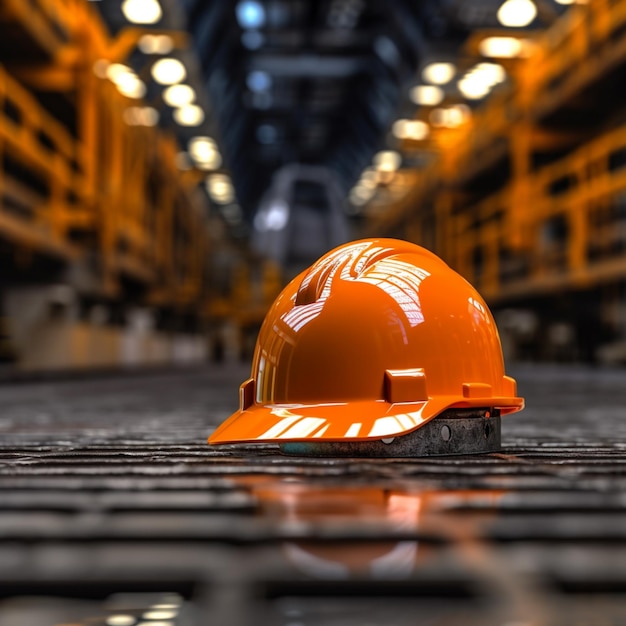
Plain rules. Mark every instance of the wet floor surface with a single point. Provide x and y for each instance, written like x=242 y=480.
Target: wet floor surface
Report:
x=113 y=510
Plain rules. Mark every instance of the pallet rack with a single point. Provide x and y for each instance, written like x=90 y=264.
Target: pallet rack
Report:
x=77 y=182
x=529 y=197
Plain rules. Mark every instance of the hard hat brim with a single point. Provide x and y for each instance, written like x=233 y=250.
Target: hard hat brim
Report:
x=343 y=421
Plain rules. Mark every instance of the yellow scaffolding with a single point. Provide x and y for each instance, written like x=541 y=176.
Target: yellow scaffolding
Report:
x=561 y=225
x=93 y=189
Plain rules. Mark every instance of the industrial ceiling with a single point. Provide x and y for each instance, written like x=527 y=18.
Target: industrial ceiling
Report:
x=317 y=82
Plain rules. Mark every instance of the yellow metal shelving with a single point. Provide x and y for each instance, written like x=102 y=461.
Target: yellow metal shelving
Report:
x=92 y=188
x=539 y=227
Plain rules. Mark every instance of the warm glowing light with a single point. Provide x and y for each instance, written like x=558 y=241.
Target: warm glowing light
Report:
x=130 y=85
x=189 y=115
x=125 y=80
x=369 y=178
x=473 y=88
x=503 y=47
x=426 y=95
x=204 y=152
x=115 y=71
x=168 y=71
x=142 y=11
x=179 y=95
x=410 y=129
x=517 y=13
x=479 y=81
x=457 y=115
x=141 y=116
x=201 y=148
x=120 y=620
x=439 y=73
x=399 y=128
x=156 y=44
x=387 y=161
x=159 y=614
x=491 y=73
x=210 y=164
x=450 y=117
x=361 y=195
x=220 y=188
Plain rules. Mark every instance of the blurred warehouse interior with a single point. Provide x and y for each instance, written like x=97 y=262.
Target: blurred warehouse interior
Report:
x=167 y=165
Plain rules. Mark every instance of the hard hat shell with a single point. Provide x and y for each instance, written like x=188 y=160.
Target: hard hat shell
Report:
x=374 y=340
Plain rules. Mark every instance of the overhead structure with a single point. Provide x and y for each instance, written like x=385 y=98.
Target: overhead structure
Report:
x=526 y=198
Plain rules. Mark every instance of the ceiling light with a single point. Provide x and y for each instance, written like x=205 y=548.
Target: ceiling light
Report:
x=210 y=164
x=141 y=116
x=450 y=117
x=473 y=88
x=387 y=161
x=369 y=178
x=189 y=115
x=126 y=80
x=517 y=13
x=142 y=11
x=479 y=80
x=159 y=614
x=258 y=81
x=502 y=47
x=491 y=73
x=168 y=71
x=130 y=86
x=156 y=44
x=220 y=188
x=115 y=70
x=120 y=620
x=368 y=183
x=274 y=217
x=150 y=116
x=426 y=95
x=201 y=148
x=410 y=129
x=360 y=195
x=250 y=14
x=439 y=73
x=204 y=152
x=179 y=95
x=399 y=128
x=457 y=115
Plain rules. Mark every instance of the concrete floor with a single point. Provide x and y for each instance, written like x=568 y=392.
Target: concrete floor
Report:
x=111 y=502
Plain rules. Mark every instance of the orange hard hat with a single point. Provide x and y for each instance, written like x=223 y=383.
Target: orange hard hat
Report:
x=371 y=343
